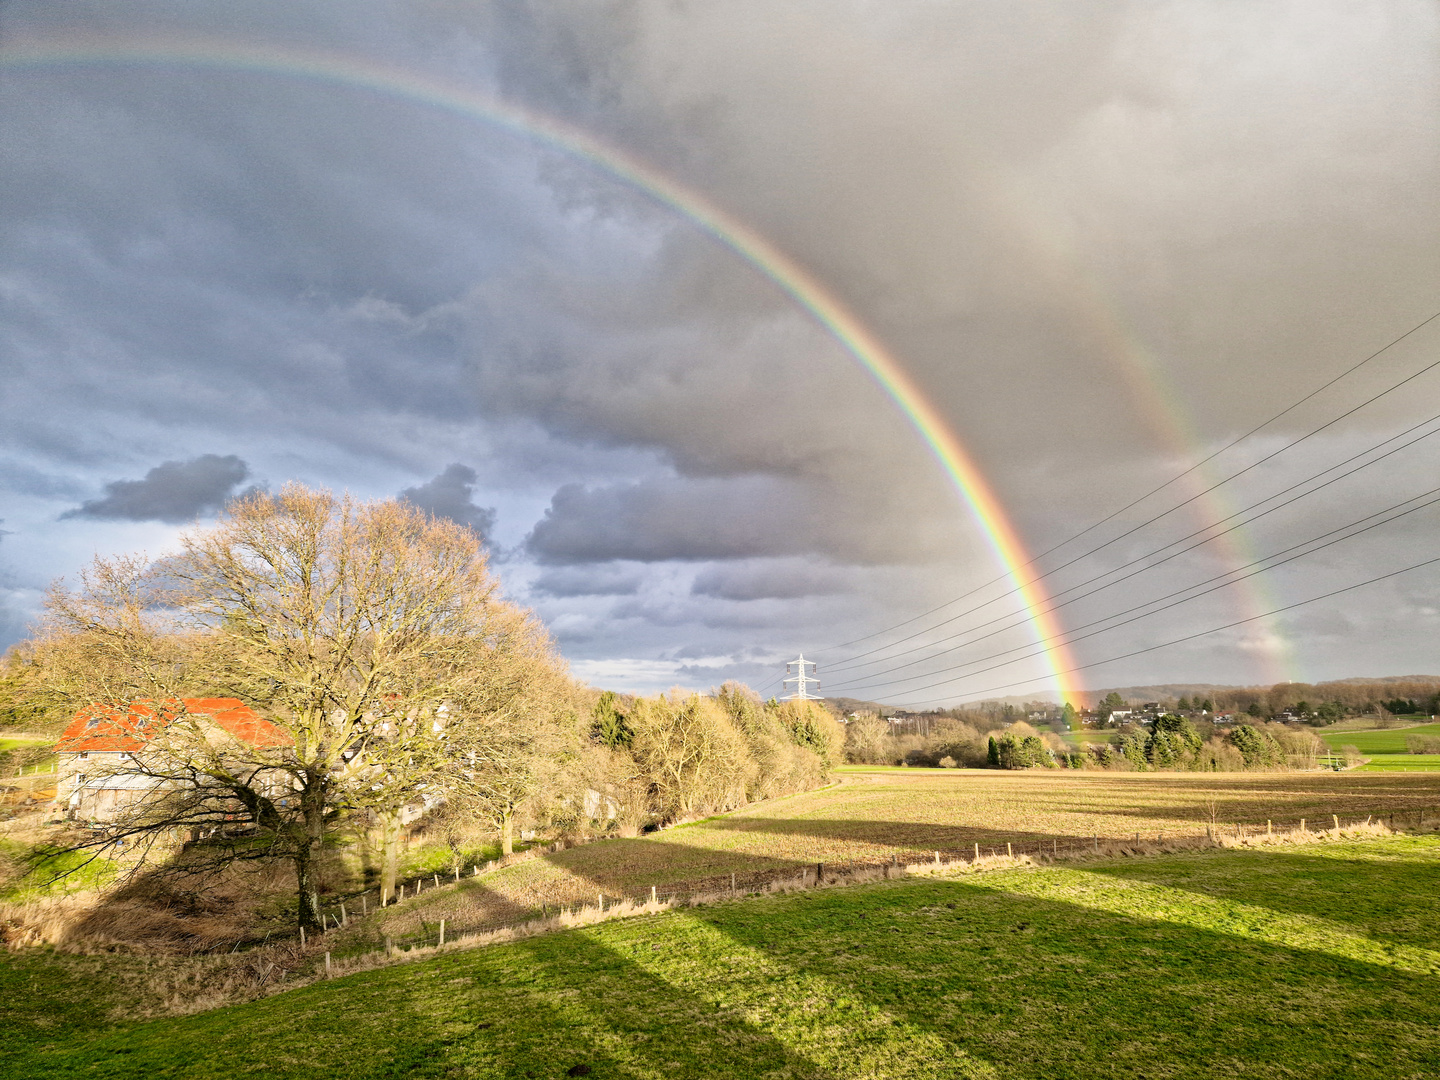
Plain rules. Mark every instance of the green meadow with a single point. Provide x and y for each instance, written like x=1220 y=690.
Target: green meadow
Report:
x=1401 y=763
x=1388 y=741
x=1320 y=960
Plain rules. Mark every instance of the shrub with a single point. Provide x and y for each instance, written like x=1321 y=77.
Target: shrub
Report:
x=1257 y=747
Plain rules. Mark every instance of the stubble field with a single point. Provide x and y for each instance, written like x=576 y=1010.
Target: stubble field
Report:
x=875 y=816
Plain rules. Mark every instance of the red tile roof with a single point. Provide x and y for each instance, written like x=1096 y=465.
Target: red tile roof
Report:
x=110 y=728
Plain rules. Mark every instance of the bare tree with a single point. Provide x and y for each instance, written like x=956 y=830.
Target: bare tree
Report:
x=695 y=758
x=370 y=634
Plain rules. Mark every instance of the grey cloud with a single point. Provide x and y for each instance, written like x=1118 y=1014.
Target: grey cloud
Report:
x=450 y=495
x=173 y=492
x=702 y=519
x=1083 y=230
x=601 y=580
x=780 y=580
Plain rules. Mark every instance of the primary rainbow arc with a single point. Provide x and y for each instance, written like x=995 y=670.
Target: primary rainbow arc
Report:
x=780 y=268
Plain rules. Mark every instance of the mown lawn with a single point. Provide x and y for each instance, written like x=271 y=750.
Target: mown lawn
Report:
x=1316 y=961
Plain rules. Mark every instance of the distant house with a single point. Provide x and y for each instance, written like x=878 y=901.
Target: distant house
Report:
x=96 y=780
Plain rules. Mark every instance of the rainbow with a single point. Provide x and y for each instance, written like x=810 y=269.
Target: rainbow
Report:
x=1100 y=318
x=802 y=286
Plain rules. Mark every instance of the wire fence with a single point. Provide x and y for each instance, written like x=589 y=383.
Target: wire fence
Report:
x=901 y=862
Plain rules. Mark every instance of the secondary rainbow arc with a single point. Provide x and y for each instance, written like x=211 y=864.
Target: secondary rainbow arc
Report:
x=784 y=271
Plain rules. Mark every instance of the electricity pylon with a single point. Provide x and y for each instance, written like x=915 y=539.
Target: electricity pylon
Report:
x=800 y=679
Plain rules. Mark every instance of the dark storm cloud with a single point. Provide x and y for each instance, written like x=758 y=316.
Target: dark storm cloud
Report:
x=173 y=492
x=451 y=495
x=780 y=580
x=590 y=580
x=1085 y=230
x=676 y=518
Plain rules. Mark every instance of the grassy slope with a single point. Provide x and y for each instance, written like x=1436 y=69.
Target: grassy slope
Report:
x=1388 y=741
x=870 y=816
x=1401 y=763
x=1317 y=961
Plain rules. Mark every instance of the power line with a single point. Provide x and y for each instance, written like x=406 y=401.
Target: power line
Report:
x=1179 y=476
x=1171 y=510
x=1234 y=575
x=1024 y=617
x=1204 y=633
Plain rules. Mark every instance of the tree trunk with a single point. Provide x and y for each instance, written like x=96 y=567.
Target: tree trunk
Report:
x=307 y=853
x=507 y=832
x=390 y=829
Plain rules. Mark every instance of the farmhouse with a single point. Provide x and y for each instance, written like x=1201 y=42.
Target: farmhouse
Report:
x=98 y=777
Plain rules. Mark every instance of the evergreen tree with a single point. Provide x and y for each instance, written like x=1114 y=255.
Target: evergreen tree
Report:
x=1258 y=748
x=1112 y=702
x=610 y=727
x=992 y=754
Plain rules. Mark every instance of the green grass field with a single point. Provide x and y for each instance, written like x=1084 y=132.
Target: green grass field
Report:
x=1401 y=763
x=1315 y=961
x=1388 y=741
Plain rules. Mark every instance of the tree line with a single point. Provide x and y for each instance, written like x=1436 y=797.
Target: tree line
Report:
x=1170 y=742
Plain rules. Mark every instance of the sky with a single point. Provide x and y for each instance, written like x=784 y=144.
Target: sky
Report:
x=1102 y=241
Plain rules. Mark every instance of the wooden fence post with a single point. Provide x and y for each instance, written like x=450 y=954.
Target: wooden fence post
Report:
x=344 y=918
x=1010 y=851
x=977 y=852
x=389 y=946
x=302 y=937
x=442 y=933
x=654 y=899
x=437 y=881
x=364 y=905
x=327 y=963
x=820 y=871
x=1269 y=831
x=1336 y=819
x=1302 y=824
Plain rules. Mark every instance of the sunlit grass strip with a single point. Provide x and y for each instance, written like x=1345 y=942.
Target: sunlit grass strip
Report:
x=1162 y=903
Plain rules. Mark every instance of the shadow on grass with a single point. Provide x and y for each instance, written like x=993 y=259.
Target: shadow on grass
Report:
x=1393 y=898
x=1060 y=989
x=539 y=1008
x=925 y=977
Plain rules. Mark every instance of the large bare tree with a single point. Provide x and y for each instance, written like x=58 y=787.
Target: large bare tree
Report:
x=370 y=633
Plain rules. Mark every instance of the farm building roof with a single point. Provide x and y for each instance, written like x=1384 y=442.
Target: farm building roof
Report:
x=101 y=728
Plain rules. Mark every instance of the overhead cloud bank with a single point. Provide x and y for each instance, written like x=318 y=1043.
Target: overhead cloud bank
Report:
x=1103 y=239
x=173 y=492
